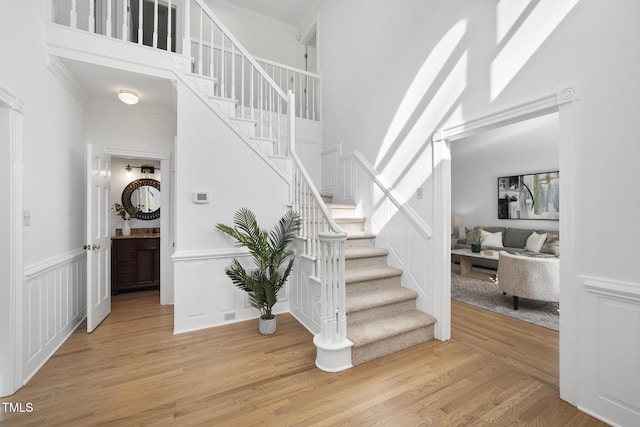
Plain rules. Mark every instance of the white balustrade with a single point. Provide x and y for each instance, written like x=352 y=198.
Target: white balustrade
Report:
x=323 y=242
x=217 y=55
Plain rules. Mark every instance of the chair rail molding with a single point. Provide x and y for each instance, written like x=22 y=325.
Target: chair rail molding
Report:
x=11 y=372
x=564 y=101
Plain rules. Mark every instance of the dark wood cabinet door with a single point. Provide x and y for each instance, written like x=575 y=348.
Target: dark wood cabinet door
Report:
x=135 y=264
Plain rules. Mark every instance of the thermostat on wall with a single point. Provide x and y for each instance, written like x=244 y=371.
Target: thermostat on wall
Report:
x=201 y=197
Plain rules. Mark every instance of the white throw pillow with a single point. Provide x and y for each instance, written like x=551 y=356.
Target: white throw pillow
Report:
x=492 y=239
x=535 y=242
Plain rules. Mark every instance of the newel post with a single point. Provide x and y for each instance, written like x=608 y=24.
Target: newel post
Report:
x=333 y=348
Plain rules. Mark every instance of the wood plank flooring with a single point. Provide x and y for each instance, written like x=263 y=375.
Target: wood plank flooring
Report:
x=133 y=371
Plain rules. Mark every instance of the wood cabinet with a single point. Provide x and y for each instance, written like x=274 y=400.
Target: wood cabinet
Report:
x=135 y=263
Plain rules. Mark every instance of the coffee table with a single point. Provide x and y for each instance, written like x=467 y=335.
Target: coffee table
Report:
x=466 y=268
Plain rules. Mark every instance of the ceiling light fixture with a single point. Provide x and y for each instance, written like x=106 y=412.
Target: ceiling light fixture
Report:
x=128 y=96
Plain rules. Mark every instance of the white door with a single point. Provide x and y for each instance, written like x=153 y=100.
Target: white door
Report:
x=98 y=236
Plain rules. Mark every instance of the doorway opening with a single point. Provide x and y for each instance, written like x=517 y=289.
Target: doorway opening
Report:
x=135 y=225
x=526 y=149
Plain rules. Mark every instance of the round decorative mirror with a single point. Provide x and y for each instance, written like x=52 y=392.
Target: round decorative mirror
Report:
x=142 y=198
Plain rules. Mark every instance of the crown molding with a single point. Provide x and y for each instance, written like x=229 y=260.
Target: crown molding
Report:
x=62 y=73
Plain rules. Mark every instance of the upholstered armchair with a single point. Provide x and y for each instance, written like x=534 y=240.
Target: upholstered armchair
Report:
x=529 y=277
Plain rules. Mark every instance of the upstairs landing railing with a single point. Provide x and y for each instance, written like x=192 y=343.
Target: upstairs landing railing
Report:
x=190 y=28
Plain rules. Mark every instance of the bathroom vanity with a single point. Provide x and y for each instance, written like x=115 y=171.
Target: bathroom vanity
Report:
x=135 y=261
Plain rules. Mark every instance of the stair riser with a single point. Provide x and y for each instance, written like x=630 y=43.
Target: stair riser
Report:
x=388 y=282
x=360 y=355
x=339 y=213
x=350 y=227
x=355 y=263
x=359 y=243
x=245 y=128
x=376 y=313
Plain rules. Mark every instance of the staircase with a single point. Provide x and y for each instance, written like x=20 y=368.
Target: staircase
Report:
x=381 y=314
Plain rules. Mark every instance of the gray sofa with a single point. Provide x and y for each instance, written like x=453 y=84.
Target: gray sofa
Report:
x=514 y=240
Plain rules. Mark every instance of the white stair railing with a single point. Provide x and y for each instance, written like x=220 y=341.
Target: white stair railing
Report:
x=324 y=243
x=238 y=75
x=304 y=84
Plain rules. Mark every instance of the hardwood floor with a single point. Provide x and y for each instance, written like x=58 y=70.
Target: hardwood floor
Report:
x=133 y=371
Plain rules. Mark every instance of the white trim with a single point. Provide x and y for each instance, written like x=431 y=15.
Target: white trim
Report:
x=206 y=254
x=138 y=154
x=15 y=206
x=528 y=110
x=39 y=268
x=167 y=285
x=62 y=73
x=389 y=192
x=627 y=291
x=441 y=277
x=563 y=102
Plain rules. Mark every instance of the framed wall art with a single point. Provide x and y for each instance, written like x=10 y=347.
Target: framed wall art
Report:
x=532 y=196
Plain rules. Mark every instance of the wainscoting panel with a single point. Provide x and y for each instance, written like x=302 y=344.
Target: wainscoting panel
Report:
x=610 y=349
x=329 y=164
x=204 y=294
x=305 y=295
x=54 y=305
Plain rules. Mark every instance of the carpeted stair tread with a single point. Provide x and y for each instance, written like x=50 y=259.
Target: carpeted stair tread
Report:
x=360 y=235
x=363 y=300
x=368 y=332
x=373 y=273
x=364 y=252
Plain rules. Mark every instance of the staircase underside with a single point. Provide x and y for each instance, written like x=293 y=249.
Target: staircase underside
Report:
x=381 y=314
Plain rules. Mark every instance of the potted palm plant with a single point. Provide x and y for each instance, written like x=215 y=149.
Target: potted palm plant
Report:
x=269 y=251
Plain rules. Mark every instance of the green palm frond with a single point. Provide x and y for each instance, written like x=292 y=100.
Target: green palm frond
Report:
x=269 y=251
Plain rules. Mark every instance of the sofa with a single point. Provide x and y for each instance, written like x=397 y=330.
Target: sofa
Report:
x=514 y=240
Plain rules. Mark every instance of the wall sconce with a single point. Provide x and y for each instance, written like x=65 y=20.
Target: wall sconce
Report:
x=145 y=169
x=128 y=96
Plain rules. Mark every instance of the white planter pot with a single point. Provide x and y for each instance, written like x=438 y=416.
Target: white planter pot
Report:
x=267 y=326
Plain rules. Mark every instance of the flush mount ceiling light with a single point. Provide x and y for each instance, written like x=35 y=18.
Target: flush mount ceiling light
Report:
x=128 y=96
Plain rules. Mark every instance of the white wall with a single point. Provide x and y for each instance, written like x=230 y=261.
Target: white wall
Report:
x=437 y=64
x=119 y=128
x=477 y=162
x=260 y=35
x=211 y=157
x=53 y=185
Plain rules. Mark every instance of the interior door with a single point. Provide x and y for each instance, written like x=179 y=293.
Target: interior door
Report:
x=98 y=236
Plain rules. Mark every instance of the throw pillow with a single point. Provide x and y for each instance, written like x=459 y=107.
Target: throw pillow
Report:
x=535 y=242
x=492 y=239
x=551 y=245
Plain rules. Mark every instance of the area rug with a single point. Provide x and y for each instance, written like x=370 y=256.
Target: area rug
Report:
x=487 y=295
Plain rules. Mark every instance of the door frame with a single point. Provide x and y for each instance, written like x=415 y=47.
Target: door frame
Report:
x=563 y=101
x=12 y=378
x=166 y=237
